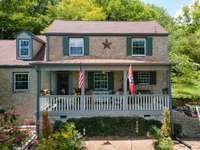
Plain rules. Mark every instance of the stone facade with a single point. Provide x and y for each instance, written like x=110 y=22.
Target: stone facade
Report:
x=118 y=48
x=23 y=101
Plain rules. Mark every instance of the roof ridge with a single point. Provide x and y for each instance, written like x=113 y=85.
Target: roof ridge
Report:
x=117 y=21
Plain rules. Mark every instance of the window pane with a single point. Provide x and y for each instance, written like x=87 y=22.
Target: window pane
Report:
x=101 y=81
x=138 y=46
x=24 y=47
x=21 y=81
x=76 y=46
x=143 y=77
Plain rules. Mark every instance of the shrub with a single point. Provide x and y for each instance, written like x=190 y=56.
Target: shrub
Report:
x=166 y=125
x=114 y=126
x=163 y=140
x=164 y=144
x=45 y=126
x=65 y=138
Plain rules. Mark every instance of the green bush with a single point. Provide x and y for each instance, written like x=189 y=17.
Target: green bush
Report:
x=162 y=136
x=162 y=142
x=114 y=126
x=65 y=138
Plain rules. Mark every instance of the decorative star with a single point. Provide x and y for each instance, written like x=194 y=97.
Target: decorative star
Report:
x=106 y=44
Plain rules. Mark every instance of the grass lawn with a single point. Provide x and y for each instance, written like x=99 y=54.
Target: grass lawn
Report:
x=186 y=90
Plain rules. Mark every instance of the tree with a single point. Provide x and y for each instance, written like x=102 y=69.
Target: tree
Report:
x=78 y=10
x=24 y=14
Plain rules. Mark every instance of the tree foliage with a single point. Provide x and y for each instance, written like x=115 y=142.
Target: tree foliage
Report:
x=16 y=15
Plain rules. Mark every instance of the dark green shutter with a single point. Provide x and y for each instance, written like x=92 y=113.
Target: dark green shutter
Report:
x=91 y=80
x=135 y=77
x=17 y=48
x=86 y=45
x=110 y=81
x=66 y=45
x=149 y=46
x=152 y=77
x=129 y=46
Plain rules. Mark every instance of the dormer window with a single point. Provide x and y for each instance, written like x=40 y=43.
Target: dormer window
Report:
x=24 y=48
x=138 y=47
x=76 y=46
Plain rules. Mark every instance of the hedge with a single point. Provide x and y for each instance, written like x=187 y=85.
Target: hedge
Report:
x=112 y=126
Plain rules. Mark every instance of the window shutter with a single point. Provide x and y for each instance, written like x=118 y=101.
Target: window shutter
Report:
x=66 y=45
x=110 y=81
x=17 y=48
x=91 y=80
x=152 y=77
x=149 y=46
x=135 y=77
x=86 y=45
x=129 y=46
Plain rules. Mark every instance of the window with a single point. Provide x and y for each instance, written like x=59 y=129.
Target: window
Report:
x=24 y=50
x=143 y=77
x=76 y=46
x=101 y=81
x=21 y=81
x=139 y=47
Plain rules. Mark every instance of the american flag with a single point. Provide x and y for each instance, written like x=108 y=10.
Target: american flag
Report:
x=81 y=78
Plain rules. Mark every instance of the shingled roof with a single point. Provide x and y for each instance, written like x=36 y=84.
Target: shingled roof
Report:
x=105 y=27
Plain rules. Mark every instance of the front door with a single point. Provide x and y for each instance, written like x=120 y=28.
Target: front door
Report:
x=62 y=83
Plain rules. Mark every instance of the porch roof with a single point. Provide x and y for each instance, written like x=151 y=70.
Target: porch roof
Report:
x=103 y=62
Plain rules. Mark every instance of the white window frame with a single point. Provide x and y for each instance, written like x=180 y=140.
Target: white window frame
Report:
x=148 y=75
x=94 y=80
x=24 y=56
x=70 y=54
x=145 y=48
x=14 y=80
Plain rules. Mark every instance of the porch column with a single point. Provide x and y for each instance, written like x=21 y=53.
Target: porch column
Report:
x=82 y=94
x=38 y=87
x=125 y=82
x=125 y=99
x=170 y=97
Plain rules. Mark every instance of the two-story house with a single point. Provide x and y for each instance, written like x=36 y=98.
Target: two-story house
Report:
x=104 y=50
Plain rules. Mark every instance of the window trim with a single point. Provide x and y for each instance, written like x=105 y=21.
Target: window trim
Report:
x=83 y=52
x=95 y=89
x=14 y=82
x=29 y=53
x=145 y=47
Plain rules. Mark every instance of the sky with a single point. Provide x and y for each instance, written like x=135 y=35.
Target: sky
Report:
x=173 y=6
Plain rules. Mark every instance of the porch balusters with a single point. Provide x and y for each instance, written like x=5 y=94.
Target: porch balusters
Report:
x=89 y=103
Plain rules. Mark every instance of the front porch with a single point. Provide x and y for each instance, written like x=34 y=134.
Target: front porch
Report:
x=105 y=92
x=62 y=107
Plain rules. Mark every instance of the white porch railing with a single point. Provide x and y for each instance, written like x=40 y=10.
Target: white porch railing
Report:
x=89 y=103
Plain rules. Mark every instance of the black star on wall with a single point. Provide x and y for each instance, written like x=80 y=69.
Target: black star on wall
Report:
x=107 y=44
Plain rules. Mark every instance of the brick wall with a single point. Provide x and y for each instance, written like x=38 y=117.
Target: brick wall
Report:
x=118 y=48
